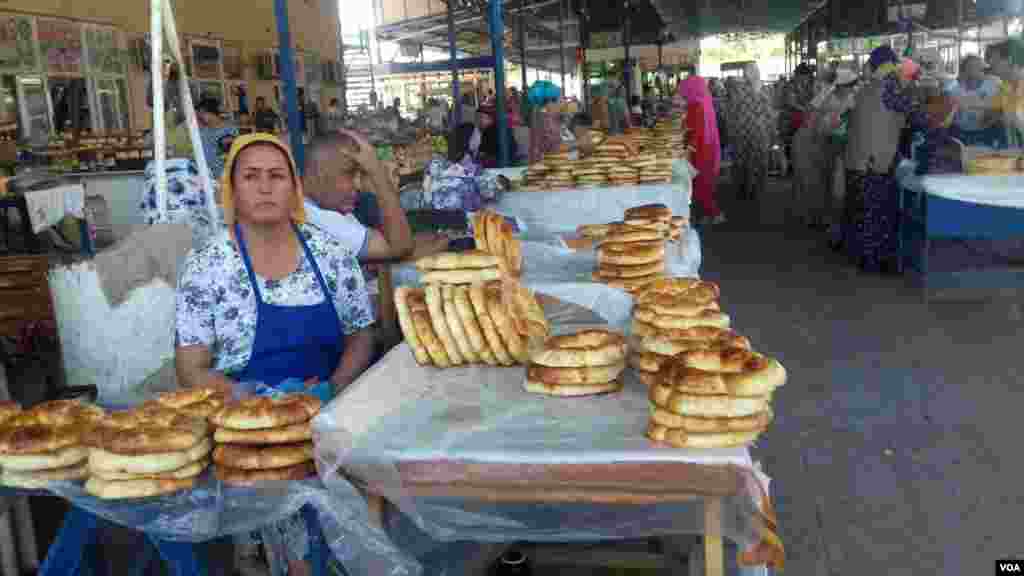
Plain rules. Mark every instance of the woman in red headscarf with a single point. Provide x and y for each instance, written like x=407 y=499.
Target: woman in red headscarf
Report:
x=702 y=135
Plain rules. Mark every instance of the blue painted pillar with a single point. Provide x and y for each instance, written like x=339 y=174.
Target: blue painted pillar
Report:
x=453 y=55
x=291 y=92
x=497 y=29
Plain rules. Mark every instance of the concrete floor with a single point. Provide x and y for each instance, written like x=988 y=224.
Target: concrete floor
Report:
x=895 y=448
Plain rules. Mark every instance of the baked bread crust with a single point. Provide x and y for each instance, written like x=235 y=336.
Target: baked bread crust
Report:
x=262 y=412
x=592 y=347
x=262 y=457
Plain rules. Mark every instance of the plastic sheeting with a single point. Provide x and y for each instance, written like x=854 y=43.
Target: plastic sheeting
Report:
x=400 y=414
x=1001 y=191
x=558 y=211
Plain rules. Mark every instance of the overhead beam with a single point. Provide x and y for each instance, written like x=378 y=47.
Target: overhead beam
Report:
x=438 y=66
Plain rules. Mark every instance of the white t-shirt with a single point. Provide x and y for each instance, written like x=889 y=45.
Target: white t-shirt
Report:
x=343 y=227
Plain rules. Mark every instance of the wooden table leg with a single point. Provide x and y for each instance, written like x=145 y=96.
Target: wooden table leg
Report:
x=714 y=551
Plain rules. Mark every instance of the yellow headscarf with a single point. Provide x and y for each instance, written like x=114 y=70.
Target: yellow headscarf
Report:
x=227 y=193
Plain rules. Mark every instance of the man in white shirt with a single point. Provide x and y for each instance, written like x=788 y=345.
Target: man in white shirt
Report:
x=335 y=165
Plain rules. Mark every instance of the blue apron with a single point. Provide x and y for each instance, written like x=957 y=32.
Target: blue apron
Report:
x=296 y=343
x=292 y=342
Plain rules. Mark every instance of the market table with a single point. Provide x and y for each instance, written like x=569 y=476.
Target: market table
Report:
x=468 y=455
x=956 y=206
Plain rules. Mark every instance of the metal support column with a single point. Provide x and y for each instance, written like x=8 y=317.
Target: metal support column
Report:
x=453 y=56
x=521 y=34
x=627 y=70
x=291 y=93
x=561 y=43
x=496 y=27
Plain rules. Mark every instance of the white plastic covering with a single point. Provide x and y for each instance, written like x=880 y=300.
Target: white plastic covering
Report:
x=114 y=348
x=400 y=414
x=558 y=211
x=999 y=191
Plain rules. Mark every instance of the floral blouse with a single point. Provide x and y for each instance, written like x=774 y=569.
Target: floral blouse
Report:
x=216 y=305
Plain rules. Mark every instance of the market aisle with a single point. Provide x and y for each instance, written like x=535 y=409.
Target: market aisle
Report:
x=894 y=447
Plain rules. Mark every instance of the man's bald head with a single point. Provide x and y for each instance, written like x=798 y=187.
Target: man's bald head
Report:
x=330 y=175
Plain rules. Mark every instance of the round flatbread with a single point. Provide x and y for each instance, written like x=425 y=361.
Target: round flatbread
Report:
x=630 y=285
x=147 y=463
x=729 y=371
x=478 y=298
x=203 y=410
x=672 y=342
x=712 y=318
x=571 y=390
x=407 y=326
x=649 y=212
x=471 y=326
x=262 y=412
x=262 y=457
x=186 y=396
x=58 y=413
x=470 y=259
x=146 y=439
x=627 y=272
x=61 y=458
x=435 y=305
x=697 y=425
x=454 y=323
x=631 y=254
x=37 y=438
x=126 y=489
x=41 y=478
x=572 y=376
x=284 y=435
x=593 y=347
x=678 y=402
x=190 y=470
x=242 y=477
x=461 y=276
x=682 y=439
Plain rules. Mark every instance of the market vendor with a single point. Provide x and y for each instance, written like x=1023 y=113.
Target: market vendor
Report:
x=488 y=127
x=975 y=124
x=272 y=299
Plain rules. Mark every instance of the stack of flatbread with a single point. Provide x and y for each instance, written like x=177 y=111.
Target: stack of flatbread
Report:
x=674 y=304
x=494 y=323
x=46 y=443
x=469 y=267
x=630 y=257
x=264 y=439
x=581 y=364
x=713 y=397
x=650 y=345
x=493 y=234
x=147 y=451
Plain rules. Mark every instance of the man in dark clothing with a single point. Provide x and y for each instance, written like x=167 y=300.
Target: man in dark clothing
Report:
x=264 y=119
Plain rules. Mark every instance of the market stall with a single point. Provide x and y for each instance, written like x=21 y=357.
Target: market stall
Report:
x=469 y=454
x=969 y=214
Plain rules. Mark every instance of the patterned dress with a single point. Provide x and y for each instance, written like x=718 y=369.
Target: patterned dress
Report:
x=871 y=218
x=751 y=127
x=216 y=305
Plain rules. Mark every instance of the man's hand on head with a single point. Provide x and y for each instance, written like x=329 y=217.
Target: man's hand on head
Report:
x=361 y=151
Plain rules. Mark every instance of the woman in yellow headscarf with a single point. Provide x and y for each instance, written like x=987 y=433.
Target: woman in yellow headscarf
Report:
x=271 y=299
